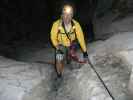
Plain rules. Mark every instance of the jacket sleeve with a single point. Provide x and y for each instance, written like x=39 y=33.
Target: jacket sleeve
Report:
x=53 y=34
x=80 y=37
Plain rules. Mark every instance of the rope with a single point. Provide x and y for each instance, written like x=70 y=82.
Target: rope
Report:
x=100 y=79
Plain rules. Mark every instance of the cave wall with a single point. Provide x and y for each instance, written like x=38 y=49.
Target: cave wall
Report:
x=24 y=19
x=32 y=19
x=113 y=19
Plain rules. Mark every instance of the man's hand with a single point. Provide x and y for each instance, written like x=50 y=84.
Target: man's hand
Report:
x=59 y=47
x=85 y=56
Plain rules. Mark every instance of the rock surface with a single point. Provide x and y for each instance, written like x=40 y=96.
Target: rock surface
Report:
x=32 y=79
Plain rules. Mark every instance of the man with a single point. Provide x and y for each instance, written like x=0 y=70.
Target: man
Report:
x=66 y=31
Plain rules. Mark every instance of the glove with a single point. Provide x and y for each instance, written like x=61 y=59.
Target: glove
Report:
x=85 y=56
x=58 y=51
x=60 y=47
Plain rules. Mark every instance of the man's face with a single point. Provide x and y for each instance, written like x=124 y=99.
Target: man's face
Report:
x=67 y=14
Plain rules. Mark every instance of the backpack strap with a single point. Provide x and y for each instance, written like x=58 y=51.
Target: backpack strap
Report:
x=67 y=33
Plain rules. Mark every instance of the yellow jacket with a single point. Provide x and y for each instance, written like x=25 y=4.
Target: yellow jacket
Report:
x=58 y=35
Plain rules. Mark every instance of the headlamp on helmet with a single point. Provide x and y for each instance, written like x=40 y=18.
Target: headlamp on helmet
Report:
x=67 y=9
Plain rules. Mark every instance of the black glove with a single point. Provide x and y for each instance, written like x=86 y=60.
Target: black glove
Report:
x=85 y=55
x=59 y=51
